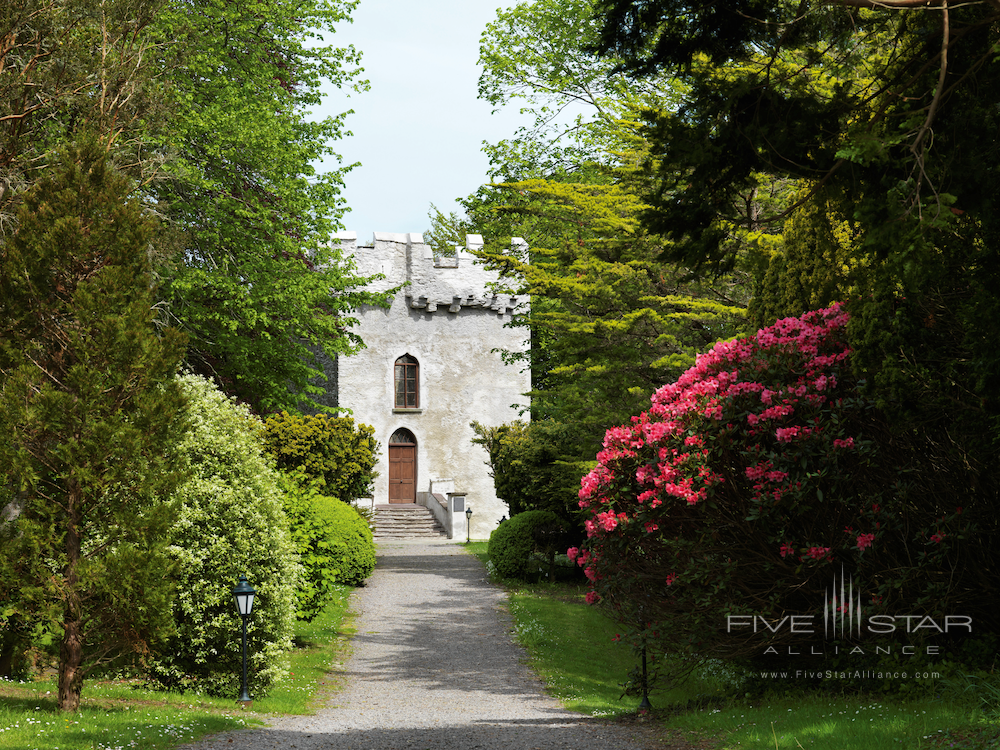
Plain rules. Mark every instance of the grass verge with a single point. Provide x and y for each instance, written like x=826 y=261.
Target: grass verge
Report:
x=847 y=722
x=112 y=716
x=571 y=646
x=122 y=715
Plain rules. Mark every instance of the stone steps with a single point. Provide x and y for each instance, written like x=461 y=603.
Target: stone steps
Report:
x=399 y=521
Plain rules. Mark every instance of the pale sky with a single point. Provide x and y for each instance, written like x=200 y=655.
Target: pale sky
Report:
x=418 y=131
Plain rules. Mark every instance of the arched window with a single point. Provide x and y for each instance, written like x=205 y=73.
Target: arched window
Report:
x=407 y=383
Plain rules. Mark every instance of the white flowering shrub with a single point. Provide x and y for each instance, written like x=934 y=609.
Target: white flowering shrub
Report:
x=230 y=522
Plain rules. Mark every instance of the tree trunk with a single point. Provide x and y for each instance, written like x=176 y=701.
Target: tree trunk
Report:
x=71 y=648
x=70 y=663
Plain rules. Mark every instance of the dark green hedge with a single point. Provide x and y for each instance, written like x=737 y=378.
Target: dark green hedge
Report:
x=513 y=541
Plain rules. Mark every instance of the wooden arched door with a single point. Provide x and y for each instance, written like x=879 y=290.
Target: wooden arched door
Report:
x=402 y=467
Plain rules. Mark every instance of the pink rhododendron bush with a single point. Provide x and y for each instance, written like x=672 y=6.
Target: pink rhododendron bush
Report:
x=752 y=485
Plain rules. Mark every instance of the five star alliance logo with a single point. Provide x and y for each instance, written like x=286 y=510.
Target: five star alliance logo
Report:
x=845 y=620
x=842 y=610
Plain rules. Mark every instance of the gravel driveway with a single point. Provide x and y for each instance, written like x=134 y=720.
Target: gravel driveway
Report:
x=433 y=666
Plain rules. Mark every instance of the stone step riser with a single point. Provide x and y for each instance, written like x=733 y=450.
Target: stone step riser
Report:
x=428 y=529
x=401 y=524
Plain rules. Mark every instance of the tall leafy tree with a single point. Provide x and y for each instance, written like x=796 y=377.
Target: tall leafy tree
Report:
x=258 y=290
x=89 y=410
x=616 y=322
x=535 y=56
x=207 y=106
x=609 y=320
x=883 y=106
x=881 y=100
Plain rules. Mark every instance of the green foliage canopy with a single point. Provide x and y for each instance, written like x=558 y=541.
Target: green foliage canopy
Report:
x=70 y=67
x=258 y=284
x=207 y=107
x=610 y=322
x=881 y=101
x=534 y=55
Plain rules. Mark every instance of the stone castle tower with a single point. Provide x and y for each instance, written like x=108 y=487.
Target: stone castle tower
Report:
x=432 y=365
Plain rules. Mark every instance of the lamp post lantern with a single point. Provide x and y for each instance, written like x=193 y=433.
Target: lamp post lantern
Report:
x=468 y=524
x=243 y=596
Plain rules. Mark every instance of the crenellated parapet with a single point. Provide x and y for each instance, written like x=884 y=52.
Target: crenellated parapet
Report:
x=433 y=282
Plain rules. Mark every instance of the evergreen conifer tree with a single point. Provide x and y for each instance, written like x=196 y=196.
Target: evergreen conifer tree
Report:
x=88 y=405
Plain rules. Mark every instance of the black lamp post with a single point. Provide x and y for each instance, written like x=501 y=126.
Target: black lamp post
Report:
x=243 y=596
x=468 y=524
x=644 y=705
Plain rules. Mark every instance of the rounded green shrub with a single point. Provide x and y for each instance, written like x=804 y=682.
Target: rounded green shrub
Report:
x=230 y=522
x=332 y=450
x=513 y=541
x=351 y=546
x=334 y=543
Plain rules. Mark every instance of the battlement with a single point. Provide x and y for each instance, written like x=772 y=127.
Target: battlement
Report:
x=449 y=282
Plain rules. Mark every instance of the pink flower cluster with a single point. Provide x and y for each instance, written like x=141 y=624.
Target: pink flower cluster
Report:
x=772 y=387
x=817 y=553
x=786 y=434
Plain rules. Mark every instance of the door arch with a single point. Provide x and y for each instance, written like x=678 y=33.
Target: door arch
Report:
x=402 y=467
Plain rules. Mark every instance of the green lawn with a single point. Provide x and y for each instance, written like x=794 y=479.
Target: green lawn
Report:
x=119 y=715
x=113 y=716
x=571 y=647
x=849 y=722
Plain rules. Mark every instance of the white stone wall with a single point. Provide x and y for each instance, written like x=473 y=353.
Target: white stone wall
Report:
x=451 y=322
